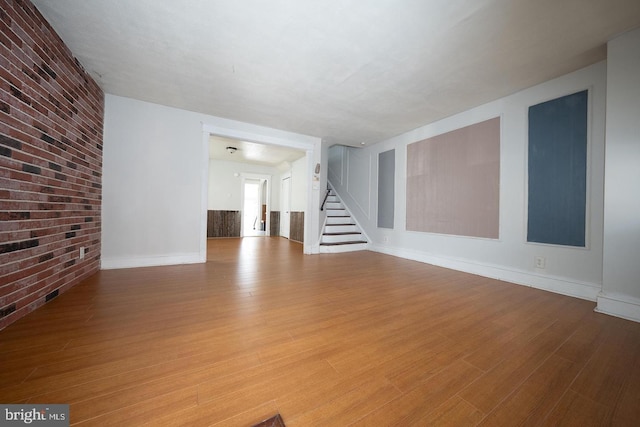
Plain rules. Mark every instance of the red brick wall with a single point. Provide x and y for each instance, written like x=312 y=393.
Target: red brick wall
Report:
x=51 y=121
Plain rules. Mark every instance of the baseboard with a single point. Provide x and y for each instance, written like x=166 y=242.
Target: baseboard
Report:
x=582 y=290
x=619 y=305
x=151 y=261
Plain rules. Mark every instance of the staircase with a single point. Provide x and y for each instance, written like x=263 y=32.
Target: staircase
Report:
x=340 y=233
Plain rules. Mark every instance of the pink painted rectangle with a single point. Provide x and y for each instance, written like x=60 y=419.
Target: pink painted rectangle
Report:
x=453 y=182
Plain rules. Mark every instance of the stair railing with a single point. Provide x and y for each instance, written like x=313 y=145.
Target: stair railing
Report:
x=326 y=196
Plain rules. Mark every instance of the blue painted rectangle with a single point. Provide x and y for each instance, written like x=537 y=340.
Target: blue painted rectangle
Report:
x=558 y=171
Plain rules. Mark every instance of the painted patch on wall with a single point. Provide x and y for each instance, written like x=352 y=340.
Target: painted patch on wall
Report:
x=386 y=188
x=453 y=182
x=557 y=166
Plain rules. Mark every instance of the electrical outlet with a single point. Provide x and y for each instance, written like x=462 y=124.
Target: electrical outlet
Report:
x=539 y=262
x=81 y=252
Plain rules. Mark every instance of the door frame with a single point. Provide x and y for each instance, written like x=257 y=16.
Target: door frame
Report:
x=260 y=177
x=254 y=133
x=282 y=207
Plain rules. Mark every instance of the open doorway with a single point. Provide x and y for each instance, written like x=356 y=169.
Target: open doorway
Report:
x=232 y=158
x=255 y=207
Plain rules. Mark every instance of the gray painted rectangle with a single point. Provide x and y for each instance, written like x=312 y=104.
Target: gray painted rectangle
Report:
x=386 y=188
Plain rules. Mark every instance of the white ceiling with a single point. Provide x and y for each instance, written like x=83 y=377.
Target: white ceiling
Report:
x=251 y=152
x=348 y=71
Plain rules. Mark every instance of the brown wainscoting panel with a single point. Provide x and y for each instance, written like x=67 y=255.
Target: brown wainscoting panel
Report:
x=223 y=224
x=275 y=223
x=296 y=228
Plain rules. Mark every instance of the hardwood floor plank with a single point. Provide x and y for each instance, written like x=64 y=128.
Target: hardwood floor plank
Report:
x=454 y=412
x=331 y=339
x=441 y=354
x=142 y=412
x=349 y=407
x=536 y=397
x=264 y=389
x=491 y=352
x=291 y=368
x=627 y=406
x=196 y=369
x=415 y=404
x=249 y=417
x=318 y=390
x=574 y=410
x=516 y=366
x=602 y=380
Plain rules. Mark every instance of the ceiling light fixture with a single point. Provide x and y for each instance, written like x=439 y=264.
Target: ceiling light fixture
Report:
x=231 y=150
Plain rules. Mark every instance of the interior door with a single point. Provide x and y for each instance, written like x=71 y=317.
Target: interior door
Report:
x=285 y=196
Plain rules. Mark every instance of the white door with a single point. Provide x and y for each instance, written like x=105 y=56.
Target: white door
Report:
x=285 y=207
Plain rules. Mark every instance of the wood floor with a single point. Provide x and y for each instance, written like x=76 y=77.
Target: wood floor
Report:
x=360 y=339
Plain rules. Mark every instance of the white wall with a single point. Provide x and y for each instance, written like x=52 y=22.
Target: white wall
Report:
x=571 y=271
x=299 y=181
x=320 y=181
x=151 y=184
x=155 y=180
x=225 y=188
x=621 y=282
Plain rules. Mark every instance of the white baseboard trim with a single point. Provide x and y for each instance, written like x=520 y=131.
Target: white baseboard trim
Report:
x=619 y=305
x=559 y=285
x=151 y=261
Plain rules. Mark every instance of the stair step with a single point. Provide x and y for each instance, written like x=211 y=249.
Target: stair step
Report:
x=334 y=249
x=341 y=220
x=341 y=233
x=340 y=228
x=350 y=242
x=340 y=237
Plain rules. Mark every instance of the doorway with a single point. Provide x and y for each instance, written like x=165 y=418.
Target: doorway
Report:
x=254 y=208
x=232 y=147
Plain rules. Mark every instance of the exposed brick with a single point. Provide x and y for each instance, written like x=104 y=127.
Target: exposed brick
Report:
x=18 y=246
x=10 y=142
x=48 y=70
x=5 y=311
x=51 y=121
x=31 y=169
x=45 y=257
